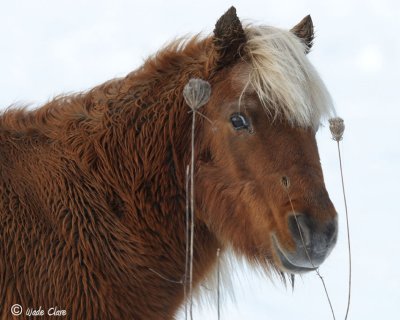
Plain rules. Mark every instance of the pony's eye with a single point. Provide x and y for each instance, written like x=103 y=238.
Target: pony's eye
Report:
x=239 y=121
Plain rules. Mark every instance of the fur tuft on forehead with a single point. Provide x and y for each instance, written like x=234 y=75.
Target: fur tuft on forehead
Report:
x=285 y=81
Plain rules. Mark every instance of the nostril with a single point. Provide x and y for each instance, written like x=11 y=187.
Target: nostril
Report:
x=300 y=230
x=331 y=230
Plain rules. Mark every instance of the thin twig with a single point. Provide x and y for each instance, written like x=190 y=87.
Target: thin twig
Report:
x=191 y=217
x=337 y=127
x=186 y=242
x=204 y=116
x=308 y=255
x=348 y=230
x=218 y=284
x=196 y=94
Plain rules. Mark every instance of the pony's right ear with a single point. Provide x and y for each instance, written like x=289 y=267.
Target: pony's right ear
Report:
x=228 y=39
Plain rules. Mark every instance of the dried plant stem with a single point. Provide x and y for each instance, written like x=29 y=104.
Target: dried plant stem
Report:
x=348 y=230
x=196 y=94
x=187 y=241
x=337 y=127
x=308 y=255
x=191 y=216
x=218 y=285
x=203 y=116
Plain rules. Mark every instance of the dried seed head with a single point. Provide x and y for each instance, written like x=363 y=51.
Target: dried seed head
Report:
x=336 y=125
x=197 y=93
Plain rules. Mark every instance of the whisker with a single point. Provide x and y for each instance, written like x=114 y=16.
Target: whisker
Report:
x=165 y=278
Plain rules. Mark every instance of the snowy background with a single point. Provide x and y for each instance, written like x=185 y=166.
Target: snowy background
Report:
x=53 y=47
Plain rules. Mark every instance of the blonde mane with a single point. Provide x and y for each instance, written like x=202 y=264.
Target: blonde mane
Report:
x=284 y=79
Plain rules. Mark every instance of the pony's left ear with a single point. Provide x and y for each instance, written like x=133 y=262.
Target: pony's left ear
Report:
x=228 y=39
x=305 y=31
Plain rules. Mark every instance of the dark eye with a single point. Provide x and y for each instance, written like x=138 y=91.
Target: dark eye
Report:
x=239 y=121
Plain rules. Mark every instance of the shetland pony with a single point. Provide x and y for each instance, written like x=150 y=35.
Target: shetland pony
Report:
x=92 y=207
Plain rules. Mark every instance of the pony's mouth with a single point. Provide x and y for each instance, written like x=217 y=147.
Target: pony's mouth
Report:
x=289 y=265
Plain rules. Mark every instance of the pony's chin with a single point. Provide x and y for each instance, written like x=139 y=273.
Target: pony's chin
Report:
x=287 y=266
x=284 y=263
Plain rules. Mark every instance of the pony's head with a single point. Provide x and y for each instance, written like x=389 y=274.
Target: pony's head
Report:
x=259 y=183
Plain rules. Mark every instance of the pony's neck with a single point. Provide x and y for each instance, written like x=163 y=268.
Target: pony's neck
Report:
x=145 y=149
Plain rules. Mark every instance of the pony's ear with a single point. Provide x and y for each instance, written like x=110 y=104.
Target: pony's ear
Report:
x=229 y=38
x=305 y=31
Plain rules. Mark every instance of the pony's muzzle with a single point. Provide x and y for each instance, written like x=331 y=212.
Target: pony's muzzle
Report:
x=313 y=243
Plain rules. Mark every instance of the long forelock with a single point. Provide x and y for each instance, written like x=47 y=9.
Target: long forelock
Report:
x=284 y=79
